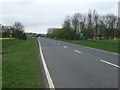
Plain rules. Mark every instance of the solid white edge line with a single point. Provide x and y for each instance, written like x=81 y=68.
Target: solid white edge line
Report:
x=110 y=63
x=64 y=46
x=77 y=51
x=50 y=82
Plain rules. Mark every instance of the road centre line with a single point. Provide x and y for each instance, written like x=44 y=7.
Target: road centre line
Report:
x=77 y=51
x=110 y=63
x=64 y=46
x=49 y=79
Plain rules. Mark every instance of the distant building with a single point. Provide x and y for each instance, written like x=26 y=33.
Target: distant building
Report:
x=119 y=9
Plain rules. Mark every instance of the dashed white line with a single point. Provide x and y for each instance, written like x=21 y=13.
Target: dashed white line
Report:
x=77 y=51
x=50 y=82
x=110 y=63
x=64 y=46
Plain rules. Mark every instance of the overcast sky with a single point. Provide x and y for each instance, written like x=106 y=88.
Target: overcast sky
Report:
x=38 y=15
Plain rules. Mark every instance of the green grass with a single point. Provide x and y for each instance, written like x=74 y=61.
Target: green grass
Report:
x=108 y=45
x=20 y=64
x=0 y=64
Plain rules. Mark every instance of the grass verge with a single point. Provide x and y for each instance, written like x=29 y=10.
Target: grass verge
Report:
x=0 y=64
x=20 y=64
x=108 y=45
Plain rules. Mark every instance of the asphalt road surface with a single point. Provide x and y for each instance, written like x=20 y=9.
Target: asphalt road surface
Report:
x=75 y=66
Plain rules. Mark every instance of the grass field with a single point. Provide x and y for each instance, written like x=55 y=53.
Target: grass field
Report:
x=20 y=64
x=0 y=64
x=108 y=45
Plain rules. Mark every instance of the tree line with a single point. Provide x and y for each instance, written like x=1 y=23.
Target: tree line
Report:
x=15 y=31
x=91 y=25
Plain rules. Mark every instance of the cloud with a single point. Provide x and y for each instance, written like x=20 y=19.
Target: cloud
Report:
x=56 y=1
x=38 y=15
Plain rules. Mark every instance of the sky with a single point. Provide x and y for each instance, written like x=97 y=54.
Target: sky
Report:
x=39 y=15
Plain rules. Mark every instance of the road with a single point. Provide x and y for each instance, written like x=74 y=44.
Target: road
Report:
x=75 y=66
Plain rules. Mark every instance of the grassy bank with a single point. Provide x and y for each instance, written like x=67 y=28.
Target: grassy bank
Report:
x=108 y=45
x=20 y=64
x=0 y=64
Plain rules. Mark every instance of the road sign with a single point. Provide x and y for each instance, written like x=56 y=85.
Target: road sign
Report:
x=81 y=35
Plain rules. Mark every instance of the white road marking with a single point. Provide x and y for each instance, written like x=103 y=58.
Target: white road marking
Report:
x=64 y=46
x=110 y=63
x=94 y=48
x=77 y=51
x=58 y=44
x=50 y=82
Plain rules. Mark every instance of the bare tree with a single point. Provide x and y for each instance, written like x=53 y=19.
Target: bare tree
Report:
x=76 y=22
x=92 y=25
x=67 y=23
x=18 y=26
x=96 y=20
x=49 y=31
x=18 y=31
x=110 y=20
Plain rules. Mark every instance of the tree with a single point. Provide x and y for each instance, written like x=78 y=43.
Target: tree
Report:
x=76 y=22
x=68 y=31
x=110 y=21
x=49 y=32
x=18 y=31
x=92 y=25
x=96 y=18
x=118 y=27
x=90 y=28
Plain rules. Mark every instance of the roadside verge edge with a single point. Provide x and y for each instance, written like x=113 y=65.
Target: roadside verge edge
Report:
x=49 y=79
